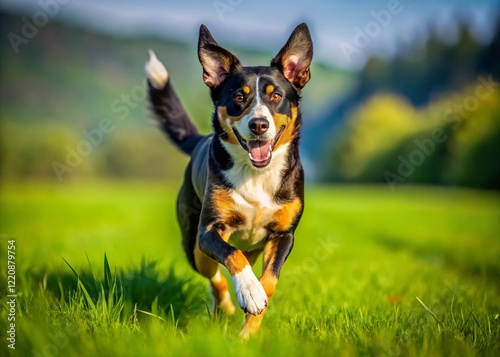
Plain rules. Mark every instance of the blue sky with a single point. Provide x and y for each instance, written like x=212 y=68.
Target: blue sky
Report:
x=266 y=24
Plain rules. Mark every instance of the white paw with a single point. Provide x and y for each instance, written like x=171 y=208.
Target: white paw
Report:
x=156 y=71
x=251 y=295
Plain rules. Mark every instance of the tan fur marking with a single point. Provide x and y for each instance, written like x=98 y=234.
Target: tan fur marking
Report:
x=246 y=89
x=224 y=206
x=223 y=118
x=269 y=89
x=251 y=325
x=209 y=268
x=205 y=265
x=236 y=262
x=222 y=200
x=270 y=250
x=222 y=300
x=219 y=290
x=269 y=283
x=289 y=133
x=286 y=215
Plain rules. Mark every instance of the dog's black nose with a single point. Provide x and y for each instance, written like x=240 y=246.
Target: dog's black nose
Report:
x=258 y=126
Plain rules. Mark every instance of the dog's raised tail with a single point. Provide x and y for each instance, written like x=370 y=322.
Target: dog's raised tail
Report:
x=167 y=108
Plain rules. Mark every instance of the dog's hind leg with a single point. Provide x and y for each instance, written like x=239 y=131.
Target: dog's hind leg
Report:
x=210 y=269
x=188 y=215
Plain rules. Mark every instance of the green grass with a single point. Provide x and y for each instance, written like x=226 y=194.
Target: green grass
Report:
x=100 y=272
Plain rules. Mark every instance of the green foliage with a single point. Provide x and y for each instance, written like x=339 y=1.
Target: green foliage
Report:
x=475 y=147
x=371 y=133
x=132 y=151
x=443 y=143
x=362 y=256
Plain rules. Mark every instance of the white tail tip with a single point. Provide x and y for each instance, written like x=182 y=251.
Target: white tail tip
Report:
x=156 y=71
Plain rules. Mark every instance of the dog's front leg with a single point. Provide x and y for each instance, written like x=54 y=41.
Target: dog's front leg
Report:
x=276 y=251
x=251 y=295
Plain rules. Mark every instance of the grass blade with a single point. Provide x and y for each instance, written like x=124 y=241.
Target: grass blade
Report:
x=477 y=322
x=73 y=270
x=430 y=312
x=465 y=322
x=87 y=295
x=151 y=314
x=107 y=273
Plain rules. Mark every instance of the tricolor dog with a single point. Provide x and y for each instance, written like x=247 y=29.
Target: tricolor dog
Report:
x=243 y=190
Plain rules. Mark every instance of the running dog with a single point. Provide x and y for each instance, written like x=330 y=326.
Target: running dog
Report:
x=243 y=190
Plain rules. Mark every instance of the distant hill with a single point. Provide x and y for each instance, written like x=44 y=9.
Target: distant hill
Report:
x=65 y=73
x=87 y=71
x=65 y=80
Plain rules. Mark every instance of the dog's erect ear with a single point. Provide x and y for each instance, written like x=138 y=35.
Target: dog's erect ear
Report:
x=294 y=59
x=217 y=62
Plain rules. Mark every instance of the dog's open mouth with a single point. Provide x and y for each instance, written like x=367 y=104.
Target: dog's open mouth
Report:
x=260 y=152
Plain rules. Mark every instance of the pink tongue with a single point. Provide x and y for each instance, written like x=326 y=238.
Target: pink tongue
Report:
x=259 y=150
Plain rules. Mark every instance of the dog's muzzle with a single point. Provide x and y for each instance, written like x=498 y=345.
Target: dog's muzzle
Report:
x=260 y=152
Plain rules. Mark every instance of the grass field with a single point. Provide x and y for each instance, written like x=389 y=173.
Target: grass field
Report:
x=410 y=273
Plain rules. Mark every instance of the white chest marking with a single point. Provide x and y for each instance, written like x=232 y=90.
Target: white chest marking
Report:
x=253 y=195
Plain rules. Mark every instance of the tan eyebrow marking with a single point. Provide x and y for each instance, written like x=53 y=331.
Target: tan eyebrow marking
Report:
x=269 y=89
x=246 y=89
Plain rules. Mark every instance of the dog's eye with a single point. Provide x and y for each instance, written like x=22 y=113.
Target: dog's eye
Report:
x=276 y=97
x=239 y=98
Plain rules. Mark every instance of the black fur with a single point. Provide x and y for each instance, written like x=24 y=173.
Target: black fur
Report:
x=172 y=117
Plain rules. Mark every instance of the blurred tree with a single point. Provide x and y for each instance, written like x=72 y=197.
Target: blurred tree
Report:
x=362 y=144
x=475 y=147
x=453 y=140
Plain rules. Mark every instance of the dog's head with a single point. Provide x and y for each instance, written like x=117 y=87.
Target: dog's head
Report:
x=256 y=108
